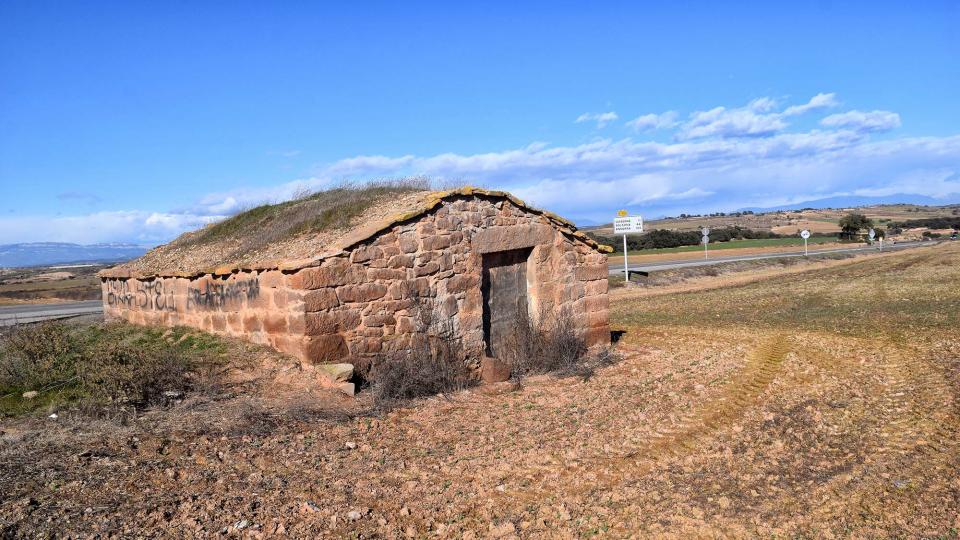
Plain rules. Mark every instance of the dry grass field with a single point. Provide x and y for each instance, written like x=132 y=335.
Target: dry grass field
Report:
x=793 y=221
x=817 y=401
x=43 y=285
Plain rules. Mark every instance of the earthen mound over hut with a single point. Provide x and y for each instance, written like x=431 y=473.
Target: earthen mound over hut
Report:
x=345 y=275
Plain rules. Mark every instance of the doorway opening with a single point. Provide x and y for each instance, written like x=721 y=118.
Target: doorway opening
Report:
x=504 y=289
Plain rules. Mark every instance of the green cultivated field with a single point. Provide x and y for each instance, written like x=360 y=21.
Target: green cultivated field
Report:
x=734 y=244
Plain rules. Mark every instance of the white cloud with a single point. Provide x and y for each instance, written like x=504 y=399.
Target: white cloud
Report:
x=116 y=226
x=722 y=122
x=651 y=121
x=740 y=157
x=602 y=119
x=863 y=121
x=817 y=102
x=759 y=118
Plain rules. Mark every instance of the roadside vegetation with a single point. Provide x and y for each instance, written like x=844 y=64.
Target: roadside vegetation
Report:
x=102 y=369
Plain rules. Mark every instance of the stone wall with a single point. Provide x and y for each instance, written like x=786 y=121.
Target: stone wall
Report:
x=374 y=296
x=255 y=305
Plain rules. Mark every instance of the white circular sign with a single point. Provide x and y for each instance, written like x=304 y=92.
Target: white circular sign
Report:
x=804 y=234
x=872 y=233
x=705 y=231
x=705 y=239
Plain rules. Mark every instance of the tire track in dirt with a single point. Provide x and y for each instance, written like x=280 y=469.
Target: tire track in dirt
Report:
x=918 y=439
x=742 y=393
x=683 y=436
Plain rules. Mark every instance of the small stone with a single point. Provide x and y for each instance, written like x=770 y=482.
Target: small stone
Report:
x=53 y=416
x=493 y=370
x=353 y=515
x=504 y=529
x=336 y=372
x=308 y=506
x=404 y=511
x=31 y=394
x=350 y=445
x=240 y=525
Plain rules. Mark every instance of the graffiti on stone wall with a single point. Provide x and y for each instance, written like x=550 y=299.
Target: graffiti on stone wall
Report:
x=149 y=295
x=215 y=295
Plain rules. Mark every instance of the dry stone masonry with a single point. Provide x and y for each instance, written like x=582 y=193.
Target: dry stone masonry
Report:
x=459 y=257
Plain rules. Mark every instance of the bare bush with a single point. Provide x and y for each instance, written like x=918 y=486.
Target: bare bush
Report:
x=555 y=346
x=433 y=363
x=136 y=375
x=38 y=356
x=98 y=367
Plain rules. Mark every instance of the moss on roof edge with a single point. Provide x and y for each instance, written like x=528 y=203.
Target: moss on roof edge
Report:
x=360 y=234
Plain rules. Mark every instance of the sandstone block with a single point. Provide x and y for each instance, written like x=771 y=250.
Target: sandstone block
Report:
x=599 y=336
x=503 y=238
x=336 y=373
x=436 y=242
x=333 y=273
x=325 y=349
x=427 y=269
x=379 y=319
x=320 y=300
x=493 y=370
x=461 y=282
x=331 y=322
x=274 y=322
x=598 y=287
x=405 y=325
x=596 y=304
x=401 y=261
x=591 y=273
x=364 y=292
x=365 y=253
x=387 y=274
x=251 y=323
x=409 y=242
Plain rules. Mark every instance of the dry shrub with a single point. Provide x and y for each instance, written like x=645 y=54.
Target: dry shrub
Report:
x=97 y=367
x=135 y=375
x=433 y=363
x=553 y=347
x=34 y=357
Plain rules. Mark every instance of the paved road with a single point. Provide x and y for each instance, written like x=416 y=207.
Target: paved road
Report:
x=28 y=313
x=718 y=259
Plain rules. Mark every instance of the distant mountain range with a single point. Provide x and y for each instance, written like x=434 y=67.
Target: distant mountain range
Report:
x=854 y=201
x=48 y=253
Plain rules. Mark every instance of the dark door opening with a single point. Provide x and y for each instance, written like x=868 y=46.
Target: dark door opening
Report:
x=504 y=289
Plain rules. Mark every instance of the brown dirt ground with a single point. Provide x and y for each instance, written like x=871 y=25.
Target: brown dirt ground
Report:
x=815 y=403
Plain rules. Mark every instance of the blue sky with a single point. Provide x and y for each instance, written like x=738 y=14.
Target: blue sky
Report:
x=134 y=121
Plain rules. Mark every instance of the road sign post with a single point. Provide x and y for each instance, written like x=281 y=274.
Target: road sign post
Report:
x=625 y=224
x=804 y=234
x=705 y=239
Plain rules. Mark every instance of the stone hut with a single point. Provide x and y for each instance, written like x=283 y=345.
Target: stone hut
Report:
x=472 y=256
